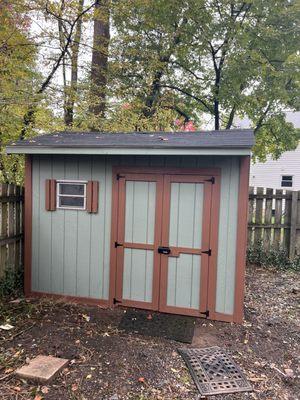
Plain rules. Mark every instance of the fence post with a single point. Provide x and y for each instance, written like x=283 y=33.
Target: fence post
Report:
x=292 y=248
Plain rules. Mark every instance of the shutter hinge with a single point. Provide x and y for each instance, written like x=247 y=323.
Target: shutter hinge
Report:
x=206 y=313
x=212 y=180
x=120 y=176
x=206 y=252
x=115 y=301
x=118 y=244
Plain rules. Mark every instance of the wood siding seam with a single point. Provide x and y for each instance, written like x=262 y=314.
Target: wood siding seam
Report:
x=241 y=241
x=28 y=225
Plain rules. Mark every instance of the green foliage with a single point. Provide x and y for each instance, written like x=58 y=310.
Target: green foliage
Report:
x=226 y=59
x=274 y=258
x=11 y=284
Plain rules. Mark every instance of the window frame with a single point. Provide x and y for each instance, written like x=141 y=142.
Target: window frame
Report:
x=71 y=182
x=286 y=180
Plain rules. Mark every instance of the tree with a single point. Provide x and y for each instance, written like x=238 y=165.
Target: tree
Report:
x=99 y=66
x=231 y=60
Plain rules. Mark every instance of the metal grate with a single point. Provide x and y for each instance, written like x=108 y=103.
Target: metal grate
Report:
x=214 y=372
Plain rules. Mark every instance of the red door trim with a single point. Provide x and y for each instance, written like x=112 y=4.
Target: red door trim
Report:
x=119 y=233
x=166 y=170
x=212 y=260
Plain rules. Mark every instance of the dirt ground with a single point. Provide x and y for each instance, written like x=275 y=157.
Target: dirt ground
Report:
x=109 y=364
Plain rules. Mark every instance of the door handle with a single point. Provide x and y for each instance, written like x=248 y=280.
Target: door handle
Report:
x=164 y=250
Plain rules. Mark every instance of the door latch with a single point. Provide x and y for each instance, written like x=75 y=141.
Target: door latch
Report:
x=164 y=250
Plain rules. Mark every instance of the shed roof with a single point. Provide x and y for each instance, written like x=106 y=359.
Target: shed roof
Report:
x=135 y=143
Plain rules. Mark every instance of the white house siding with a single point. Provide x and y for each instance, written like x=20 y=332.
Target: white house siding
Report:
x=269 y=173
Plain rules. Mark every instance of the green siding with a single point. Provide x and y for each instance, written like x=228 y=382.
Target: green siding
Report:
x=70 y=253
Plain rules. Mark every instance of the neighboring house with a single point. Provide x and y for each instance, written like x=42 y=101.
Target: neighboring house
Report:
x=283 y=173
x=148 y=220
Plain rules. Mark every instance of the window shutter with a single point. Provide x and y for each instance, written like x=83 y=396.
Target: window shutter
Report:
x=50 y=195
x=92 y=195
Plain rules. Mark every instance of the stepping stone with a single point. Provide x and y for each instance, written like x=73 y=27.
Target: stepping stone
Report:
x=42 y=368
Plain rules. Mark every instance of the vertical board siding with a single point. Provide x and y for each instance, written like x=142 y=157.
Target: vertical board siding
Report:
x=70 y=249
x=227 y=237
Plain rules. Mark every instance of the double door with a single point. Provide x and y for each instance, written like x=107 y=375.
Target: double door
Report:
x=162 y=242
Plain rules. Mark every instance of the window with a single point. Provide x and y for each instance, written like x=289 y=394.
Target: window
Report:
x=71 y=195
x=286 y=181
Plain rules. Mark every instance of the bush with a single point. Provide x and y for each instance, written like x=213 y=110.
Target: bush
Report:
x=274 y=258
x=11 y=284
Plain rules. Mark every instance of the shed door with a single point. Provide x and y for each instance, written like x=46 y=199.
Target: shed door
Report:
x=185 y=231
x=139 y=235
x=163 y=242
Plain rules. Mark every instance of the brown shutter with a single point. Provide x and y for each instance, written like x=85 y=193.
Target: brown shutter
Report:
x=50 y=196
x=92 y=195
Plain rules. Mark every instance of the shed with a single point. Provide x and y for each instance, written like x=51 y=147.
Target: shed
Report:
x=156 y=221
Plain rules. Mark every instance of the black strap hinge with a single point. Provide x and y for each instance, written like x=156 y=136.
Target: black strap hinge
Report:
x=118 y=244
x=120 y=176
x=115 y=301
x=212 y=180
x=206 y=252
x=206 y=313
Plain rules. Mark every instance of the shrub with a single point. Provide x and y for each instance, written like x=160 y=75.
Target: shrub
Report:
x=274 y=258
x=11 y=283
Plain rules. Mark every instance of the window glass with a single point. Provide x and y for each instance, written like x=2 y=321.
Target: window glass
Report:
x=71 y=195
x=286 y=181
x=71 y=188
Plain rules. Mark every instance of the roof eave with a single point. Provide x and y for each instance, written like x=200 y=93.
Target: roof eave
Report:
x=127 y=151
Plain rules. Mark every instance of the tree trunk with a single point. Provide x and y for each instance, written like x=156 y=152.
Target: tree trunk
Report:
x=72 y=90
x=100 y=57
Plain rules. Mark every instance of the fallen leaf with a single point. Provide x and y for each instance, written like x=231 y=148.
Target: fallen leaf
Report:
x=86 y=317
x=89 y=376
x=8 y=370
x=174 y=370
x=74 y=387
x=17 y=389
x=45 y=390
x=6 y=327
x=141 y=379
x=38 y=397
x=149 y=317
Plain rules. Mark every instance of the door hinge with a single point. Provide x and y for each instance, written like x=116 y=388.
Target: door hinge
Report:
x=118 y=244
x=120 y=176
x=206 y=252
x=115 y=301
x=212 y=180
x=206 y=313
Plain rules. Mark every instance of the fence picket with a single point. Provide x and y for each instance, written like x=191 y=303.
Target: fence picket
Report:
x=11 y=226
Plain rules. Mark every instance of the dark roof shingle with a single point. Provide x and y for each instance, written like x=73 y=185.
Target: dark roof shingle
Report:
x=199 y=139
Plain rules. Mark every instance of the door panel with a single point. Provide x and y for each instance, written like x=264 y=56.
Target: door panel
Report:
x=184 y=281
x=186 y=229
x=186 y=215
x=140 y=212
x=138 y=275
x=139 y=215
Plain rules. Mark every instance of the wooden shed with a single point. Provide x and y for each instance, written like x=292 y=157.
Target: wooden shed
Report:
x=147 y=220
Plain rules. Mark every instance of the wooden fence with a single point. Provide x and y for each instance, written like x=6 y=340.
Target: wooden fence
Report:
x=11 y=227
x=274 y=219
